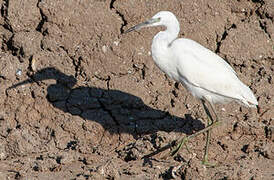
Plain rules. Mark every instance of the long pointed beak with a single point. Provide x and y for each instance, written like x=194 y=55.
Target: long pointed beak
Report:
x=137 y=27
x=141 y=25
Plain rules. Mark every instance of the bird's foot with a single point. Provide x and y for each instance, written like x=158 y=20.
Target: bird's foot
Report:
x=208 y=164
x=179 y=145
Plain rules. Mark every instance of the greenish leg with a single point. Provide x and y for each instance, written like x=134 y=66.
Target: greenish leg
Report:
x=210 y=125
x=208 y=133
x=184 y=140
x=209 y=122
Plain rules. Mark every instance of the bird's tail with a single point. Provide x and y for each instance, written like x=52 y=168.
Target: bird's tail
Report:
x=248 y=98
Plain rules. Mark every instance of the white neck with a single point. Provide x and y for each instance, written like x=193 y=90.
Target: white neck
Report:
x=172 y=32
x=160 y=46
x=169 y=35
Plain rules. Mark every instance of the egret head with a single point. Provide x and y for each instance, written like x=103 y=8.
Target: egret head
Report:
x=162 y=18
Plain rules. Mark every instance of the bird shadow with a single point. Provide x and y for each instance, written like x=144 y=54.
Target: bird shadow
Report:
x=115 y=110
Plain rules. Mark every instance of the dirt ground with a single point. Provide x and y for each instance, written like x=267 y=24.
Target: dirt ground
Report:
x=81 y=100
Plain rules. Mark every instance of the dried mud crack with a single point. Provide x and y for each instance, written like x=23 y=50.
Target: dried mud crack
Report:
x=5 y=14
x=223 y=37
x=262 y=16
x=95 y=106
x=111 y=6
x=43 y=19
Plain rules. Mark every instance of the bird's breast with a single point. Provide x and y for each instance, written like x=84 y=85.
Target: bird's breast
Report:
x=163 y=57
x=166 y=65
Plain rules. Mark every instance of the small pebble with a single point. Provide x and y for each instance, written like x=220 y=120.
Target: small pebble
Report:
x=104 y=49
x=18 y=72
x=116 y=43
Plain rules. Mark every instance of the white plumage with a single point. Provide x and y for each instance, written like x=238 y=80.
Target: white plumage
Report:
x=205 y=74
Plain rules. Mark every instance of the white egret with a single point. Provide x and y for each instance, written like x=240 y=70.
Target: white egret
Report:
x=205 y=74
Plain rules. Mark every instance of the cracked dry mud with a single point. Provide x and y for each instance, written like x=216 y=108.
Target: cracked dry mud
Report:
x=89 y=103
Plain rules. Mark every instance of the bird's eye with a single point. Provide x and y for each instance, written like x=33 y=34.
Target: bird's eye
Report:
x=158 y=19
